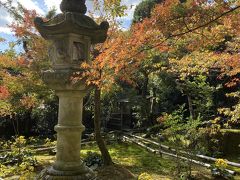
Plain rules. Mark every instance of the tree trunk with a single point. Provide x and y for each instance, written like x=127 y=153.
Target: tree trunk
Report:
x=145 y=85
x=27 y=123
x=97 y=129
x=190 y=106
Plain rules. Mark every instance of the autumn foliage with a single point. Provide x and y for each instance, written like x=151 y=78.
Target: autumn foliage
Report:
x=4 y=93
x=184 y=40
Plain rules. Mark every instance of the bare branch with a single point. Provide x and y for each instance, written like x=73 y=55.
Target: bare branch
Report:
x=207 y=23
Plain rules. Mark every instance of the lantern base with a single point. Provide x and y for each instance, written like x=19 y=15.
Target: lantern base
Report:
x=51 y=174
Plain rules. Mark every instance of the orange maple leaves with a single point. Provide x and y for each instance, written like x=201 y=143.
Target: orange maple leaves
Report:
x=231 y=67
x=27 y=26
x=4 y=93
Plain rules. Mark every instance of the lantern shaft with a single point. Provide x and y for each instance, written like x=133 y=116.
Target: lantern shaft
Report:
x=70 y=34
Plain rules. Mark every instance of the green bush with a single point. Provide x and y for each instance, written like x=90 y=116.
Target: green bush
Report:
x=93 y=159
x=145 y=176
x=17 y=158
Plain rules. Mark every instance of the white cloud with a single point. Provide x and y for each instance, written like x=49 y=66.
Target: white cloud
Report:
x=31 y=5
x=131 y=4
x=5 y=30
x=56 y=3
x=5 y=18
x=126 y=20
x=28 y=4
x=52 y=3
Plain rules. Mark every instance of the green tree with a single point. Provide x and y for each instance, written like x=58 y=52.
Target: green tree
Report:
x=97 y=73
x=143 y=10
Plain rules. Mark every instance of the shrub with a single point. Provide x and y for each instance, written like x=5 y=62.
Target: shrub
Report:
x=17 y=158
x=218 y=170
x=145 y=176
x=93 y=160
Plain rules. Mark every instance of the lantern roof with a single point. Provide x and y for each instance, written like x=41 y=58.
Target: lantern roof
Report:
x=72 y=20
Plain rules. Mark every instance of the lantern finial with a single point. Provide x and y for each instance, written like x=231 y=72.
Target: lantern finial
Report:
x=76 y=6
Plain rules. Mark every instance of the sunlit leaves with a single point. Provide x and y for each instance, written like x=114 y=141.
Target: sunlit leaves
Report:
x=27 y=26
x=5 y=108
x=29 y=101
x=19 y=87
x=4 y=93
x=234 y=112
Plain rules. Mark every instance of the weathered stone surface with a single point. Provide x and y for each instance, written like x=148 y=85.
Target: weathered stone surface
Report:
x=71 y=35
x=60 y=80
x=69 y=51
x=76 y=23
x=77 y=6
x=51 y=174
x=68 y=164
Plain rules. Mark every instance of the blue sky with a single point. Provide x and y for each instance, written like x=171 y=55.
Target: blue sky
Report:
x=42 y=7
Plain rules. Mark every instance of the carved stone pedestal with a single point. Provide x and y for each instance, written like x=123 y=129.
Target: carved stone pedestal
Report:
x=52 y=174
x=70 y=35
x=68 y=164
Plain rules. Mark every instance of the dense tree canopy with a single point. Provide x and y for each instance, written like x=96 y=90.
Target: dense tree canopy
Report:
x=177 y=69
x=144 y=9
x=190 y=48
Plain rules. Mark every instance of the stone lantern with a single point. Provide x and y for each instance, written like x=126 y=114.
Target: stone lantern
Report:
x=70 y=34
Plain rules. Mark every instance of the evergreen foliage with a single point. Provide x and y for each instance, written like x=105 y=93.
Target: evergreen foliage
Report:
x=143 y=10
